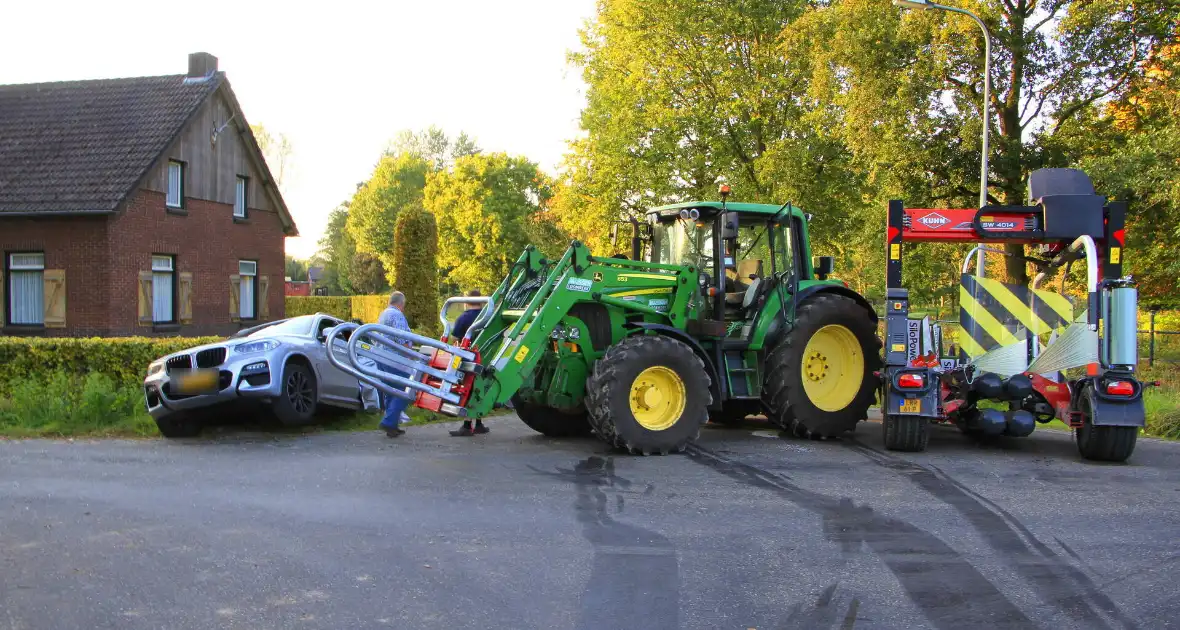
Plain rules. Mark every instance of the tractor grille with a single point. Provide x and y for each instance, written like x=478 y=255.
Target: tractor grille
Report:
x=184 y=362
x=210 y=358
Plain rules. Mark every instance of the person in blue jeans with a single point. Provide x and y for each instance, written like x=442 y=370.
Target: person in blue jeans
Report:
x=394 y=317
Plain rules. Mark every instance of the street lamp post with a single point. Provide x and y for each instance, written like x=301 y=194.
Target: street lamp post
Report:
x=987 y=91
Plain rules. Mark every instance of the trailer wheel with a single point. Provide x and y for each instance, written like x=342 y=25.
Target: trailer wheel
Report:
x=906 y=433
x=648 y=394
x=820 y=379
x=1102 y=443
x=551 y=422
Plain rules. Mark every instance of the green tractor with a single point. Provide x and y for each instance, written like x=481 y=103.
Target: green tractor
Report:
x=717 y=313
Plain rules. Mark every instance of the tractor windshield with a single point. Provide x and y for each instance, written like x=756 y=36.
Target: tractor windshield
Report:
x=682 y=242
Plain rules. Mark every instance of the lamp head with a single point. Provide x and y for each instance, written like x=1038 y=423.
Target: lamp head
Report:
x=912 y=4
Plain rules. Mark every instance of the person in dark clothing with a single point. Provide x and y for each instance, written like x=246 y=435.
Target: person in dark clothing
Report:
x=458 y=330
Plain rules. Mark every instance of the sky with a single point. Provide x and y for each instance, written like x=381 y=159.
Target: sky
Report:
x=339 y=78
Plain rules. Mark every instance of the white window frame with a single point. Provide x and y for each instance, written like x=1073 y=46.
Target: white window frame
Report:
x=248 y=291
x=25 y=267
x=240 y=193
x=175 y=194
x=163 y=266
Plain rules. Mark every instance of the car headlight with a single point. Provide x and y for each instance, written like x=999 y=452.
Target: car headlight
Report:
x=256 y=346
x=155 y=368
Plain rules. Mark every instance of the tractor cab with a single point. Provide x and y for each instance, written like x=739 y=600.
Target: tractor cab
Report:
x=757 y=248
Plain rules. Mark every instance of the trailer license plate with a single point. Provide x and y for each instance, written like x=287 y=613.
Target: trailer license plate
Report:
x=911 y=405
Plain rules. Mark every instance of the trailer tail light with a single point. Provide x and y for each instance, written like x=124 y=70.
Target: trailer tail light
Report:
x=1120 y=388
x=911 y=381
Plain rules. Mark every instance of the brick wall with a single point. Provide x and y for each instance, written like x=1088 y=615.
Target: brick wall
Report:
x=76 y=244
x=102 y=257
x=206 y=242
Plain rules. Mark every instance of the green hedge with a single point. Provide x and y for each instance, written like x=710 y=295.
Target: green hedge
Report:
x=124 y=360
x=336 y=306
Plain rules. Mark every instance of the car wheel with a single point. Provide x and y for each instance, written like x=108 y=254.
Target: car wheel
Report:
x=296 y=404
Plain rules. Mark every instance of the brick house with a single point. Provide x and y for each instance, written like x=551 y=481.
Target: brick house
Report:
x=139 y=206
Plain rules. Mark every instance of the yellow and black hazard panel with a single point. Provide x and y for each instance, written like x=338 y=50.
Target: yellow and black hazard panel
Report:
x=993 y=314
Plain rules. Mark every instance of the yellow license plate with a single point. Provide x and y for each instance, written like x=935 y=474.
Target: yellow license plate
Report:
x=198 y=382
x=911 y=405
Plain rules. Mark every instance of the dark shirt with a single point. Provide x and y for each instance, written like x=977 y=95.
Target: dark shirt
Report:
x=464 y=322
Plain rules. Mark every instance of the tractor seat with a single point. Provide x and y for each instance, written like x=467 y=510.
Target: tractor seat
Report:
x=744 y=280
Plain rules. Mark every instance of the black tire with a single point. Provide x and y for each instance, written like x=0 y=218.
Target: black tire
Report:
x=179 y=425
x=552 y=422
x=1102 y=443
x=906 y=433
x=609 y=390
x=297 y=403
x=787 y=401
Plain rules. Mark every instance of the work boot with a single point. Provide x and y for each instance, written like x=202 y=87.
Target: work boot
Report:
x=463 y=431
x=480 y=428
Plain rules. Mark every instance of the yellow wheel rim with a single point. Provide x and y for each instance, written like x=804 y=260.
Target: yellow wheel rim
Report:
x=833 y=367
x=657 y=398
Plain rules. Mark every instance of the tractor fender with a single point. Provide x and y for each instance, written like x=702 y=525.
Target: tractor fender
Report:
x=1113 y=411
x=680 y=335
x=776 y=329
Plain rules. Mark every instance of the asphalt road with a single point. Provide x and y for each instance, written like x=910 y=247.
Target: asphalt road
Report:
x=513 y=530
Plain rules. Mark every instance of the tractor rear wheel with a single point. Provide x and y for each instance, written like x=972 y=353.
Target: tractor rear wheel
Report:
x=1102 y=443
x=551 y=422
x=820 y=379
x=648 y=394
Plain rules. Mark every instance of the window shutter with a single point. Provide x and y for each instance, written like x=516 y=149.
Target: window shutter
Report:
x=263 y=303
x=145 y=298
x=55 y=298
x=186 y=297
x=235 y=292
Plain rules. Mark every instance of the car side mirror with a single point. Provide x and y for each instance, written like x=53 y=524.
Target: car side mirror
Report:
x=824 y=266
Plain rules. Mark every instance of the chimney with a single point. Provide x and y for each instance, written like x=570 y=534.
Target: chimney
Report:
x=201 y=65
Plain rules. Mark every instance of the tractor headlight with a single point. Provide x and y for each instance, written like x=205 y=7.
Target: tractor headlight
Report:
x=256 y=346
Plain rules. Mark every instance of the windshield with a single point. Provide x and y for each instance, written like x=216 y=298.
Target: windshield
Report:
x=682 y=242
x=299 y=326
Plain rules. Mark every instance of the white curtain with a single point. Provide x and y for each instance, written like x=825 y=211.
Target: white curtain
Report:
x=161 y=297
x=174 y=173
x=27 y=297
x=247 y=297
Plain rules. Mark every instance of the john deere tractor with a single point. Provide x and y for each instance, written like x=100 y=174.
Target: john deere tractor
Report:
x=718 y=312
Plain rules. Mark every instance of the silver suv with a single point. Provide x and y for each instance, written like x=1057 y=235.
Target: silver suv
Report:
x=283 y=364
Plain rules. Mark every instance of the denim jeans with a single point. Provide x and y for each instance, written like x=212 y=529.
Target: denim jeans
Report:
x=394 y=405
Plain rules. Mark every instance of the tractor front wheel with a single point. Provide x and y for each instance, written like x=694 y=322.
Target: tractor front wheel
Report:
x=551 y=422
x=820 y=380
x=648 y=394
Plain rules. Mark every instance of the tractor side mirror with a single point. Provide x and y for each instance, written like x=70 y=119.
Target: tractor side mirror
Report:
x=729 y=225
x=824 y=266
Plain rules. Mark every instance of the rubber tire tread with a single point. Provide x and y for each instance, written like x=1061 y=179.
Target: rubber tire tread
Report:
x=179 y=425
x=909 y=434
x=609 y=386
x=552 y=422
x=783 y=392
x=281 y=406
x=1104 y=443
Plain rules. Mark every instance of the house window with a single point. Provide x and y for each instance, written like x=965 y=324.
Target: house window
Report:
x=247 y=299
x=26 y=289
x=175 y=184
x=240 y=198
x=163 y=289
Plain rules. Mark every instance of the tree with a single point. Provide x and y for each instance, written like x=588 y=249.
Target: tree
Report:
x=397 y=183
x=296 y=269
x=416 y=253
x=336 y=251
x=368 y=276
x=432 y=145
x=907 y=88
x=485 y=207
x=276 y=151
